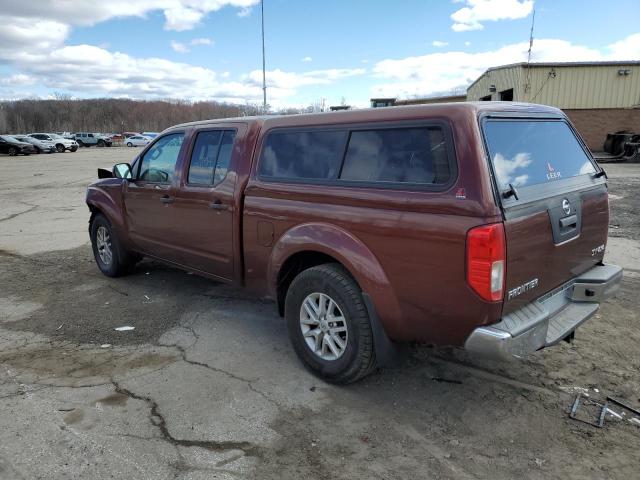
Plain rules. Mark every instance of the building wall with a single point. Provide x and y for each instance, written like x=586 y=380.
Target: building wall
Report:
x=594 y=124
x=565 y=87
x=502 y=78
x=583 y=86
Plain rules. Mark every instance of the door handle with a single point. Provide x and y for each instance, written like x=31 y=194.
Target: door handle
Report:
x=569 y=221
x=166 y=199
x=217 y=205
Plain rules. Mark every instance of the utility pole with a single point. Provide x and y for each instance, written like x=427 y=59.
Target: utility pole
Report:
x=264 y=71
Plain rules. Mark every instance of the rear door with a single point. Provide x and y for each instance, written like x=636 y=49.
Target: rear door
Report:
x=554 y=201
x=204 y=202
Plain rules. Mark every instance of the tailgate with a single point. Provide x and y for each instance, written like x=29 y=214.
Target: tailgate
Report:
x=555 y=204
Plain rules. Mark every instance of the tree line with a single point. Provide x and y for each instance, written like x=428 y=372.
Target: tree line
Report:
x=111 y=115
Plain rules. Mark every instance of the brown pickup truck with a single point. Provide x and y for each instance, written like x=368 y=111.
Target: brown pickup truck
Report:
x=480 y=225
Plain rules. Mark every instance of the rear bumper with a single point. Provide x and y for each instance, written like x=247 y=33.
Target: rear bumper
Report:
x=549 y=319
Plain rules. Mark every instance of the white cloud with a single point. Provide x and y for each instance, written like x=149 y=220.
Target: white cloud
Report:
x=179 y=14
x=245 y=12
x=475 y=12
x=17 y=80
x=289 y=81
x=627 y=49
x=442 y=72
x=466 y=44
x=179 y=47
x=307 y=59
x=439 y=43
x=202 y=41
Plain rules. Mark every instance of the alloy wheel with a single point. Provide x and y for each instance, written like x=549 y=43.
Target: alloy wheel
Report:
x=103 y=244
x=324 y=327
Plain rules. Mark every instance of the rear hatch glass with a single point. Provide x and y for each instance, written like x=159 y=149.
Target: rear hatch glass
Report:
x=555 y=209
x=527 y=153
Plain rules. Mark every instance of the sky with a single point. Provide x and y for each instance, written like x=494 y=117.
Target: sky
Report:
x=331 y=51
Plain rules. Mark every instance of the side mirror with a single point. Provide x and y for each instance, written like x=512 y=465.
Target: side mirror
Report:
x=122 y=170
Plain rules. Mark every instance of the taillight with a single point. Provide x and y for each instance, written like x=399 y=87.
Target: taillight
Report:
x=486 y=261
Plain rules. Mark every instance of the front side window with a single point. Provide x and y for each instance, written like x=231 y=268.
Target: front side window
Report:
x=303 y=155
x=532 y=152
x=211 y=156
x=159 y=162
x=400 y=155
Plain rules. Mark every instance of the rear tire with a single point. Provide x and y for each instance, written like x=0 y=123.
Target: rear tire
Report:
x=73 y=149
x=129 y=144
x=12 y=151
x=341 y=360
x=112 y=259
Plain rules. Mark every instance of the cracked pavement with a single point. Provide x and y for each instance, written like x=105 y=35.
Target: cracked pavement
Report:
x=207 y=385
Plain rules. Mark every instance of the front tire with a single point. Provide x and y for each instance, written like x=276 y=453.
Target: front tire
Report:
x=60 y=148
x=112 y=259
x=73 y=149
x=328 y=324
x=129 y=144
x=12 y=151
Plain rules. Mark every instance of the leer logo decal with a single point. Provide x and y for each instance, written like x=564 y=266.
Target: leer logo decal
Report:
x=552 y=173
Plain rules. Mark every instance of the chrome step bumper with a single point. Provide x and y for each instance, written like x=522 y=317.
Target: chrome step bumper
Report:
x=549 y=319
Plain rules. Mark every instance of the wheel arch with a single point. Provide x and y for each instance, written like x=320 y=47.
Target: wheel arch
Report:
x=99 y=202
x=311 y=244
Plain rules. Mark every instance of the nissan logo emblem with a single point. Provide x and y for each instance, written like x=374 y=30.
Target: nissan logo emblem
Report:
x=566 y=206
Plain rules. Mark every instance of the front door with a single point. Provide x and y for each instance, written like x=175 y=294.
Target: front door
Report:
x=203 y=208
x=148 y=199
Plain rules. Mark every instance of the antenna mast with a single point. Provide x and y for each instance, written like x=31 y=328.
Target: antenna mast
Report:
x=527 y=85
x=264 y=72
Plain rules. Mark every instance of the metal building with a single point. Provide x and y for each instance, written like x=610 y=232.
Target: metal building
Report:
x=599 y=97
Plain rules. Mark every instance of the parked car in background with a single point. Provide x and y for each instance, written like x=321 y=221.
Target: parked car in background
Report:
x=481 y=225
x=130 y=134
x=62 y=144
x=87 y=139
x=42 y=146
x=137 y=141
x=67 y=135
x=14 y=147
x=150 y=134
x=116 y=137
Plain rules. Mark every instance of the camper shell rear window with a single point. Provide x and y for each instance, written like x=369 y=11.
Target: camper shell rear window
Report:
x=531 y=152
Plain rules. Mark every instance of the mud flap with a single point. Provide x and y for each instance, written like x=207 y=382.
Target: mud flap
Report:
x=388 y=353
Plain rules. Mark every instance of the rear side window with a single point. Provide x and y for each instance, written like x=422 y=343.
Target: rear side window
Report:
x=303 y=155
x=411 y=155
x=400 y=155
x=211 y=156
x=533 y=152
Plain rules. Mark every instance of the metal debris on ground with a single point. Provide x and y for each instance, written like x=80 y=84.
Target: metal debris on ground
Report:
x=105 y=345
x=624 y=405
x=125 y=328
x=599 y=422
x=61 y=325
x=604 y=410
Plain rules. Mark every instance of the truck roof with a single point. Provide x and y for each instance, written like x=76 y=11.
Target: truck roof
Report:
x=409 y=112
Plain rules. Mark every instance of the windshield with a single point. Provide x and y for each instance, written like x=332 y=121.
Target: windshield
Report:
x=8 y=138
x=532 y=152
x=55 y=135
